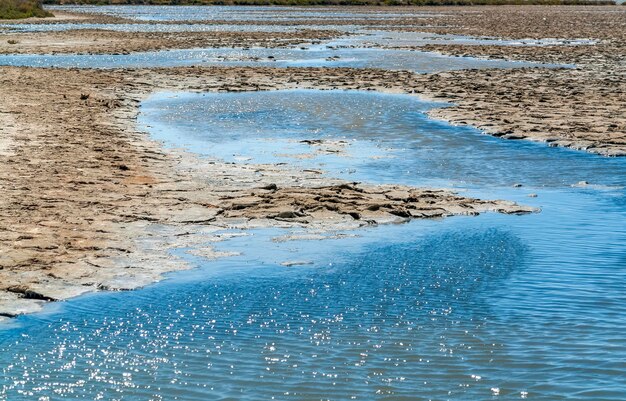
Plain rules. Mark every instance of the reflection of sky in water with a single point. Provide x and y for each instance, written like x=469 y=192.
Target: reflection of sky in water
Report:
x=23 y=27
x=238 y=13
x=317 y=56
x=365 y=49
x=401 y=143
x=363 y=38
x=464 y=308
x=381 y=38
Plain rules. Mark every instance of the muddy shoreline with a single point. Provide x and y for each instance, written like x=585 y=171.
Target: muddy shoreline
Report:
x=88 y=202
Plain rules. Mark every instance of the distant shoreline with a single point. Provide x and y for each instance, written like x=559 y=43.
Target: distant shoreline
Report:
x=345 y=3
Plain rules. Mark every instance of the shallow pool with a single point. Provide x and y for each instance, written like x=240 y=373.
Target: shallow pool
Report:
x=388 y=138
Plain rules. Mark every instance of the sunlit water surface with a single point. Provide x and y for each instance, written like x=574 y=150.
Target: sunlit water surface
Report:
x=317 y=56
x=360 y=46
x=466 y=308
x=239 y=13
x=172 y=27
x=272 y=19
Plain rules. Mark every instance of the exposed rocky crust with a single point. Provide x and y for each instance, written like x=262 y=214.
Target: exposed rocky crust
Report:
x=88 y=203
x=536 y=22
x=371 y=204
x=580 y=108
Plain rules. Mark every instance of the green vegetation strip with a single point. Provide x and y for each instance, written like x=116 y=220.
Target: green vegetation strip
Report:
x=16 y=9
x=336 y=2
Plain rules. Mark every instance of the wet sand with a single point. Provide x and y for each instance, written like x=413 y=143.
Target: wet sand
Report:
x=88 y=202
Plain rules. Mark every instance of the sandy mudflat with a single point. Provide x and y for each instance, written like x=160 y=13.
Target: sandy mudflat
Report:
x=582 y=112
x=87 y=202
x=90 y=203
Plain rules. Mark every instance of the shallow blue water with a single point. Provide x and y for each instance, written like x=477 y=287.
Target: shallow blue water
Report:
x=468 y=308
x=156 y=27
x=364 y=49
x=315 y=57
x=389 y=139
x=237 y=13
